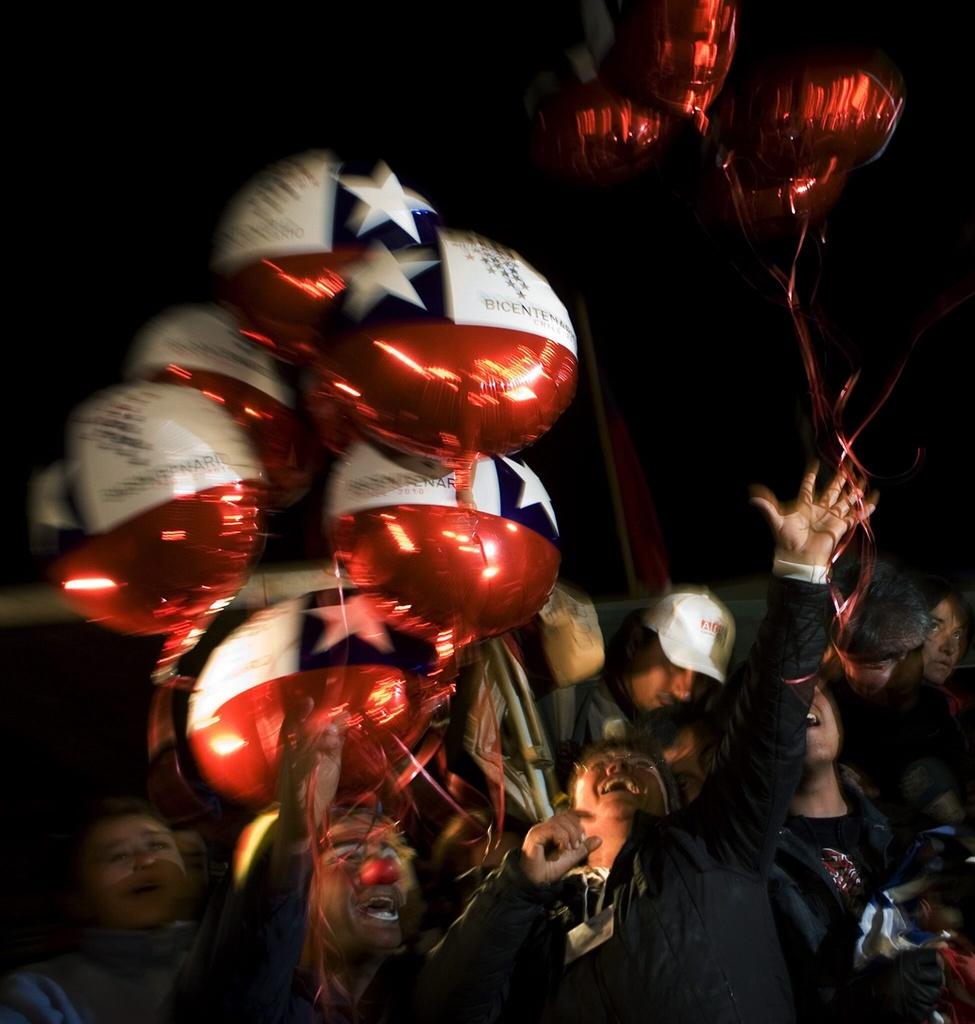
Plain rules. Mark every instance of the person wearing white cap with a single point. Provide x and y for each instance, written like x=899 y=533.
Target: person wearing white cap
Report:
x=675 y=652
x=693 y=635
x=682 y=930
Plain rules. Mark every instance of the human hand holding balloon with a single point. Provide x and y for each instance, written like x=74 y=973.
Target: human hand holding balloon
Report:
x=311 y=767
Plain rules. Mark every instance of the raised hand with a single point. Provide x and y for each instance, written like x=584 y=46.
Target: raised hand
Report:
x=550 y=849
x=808 y=529
x=311 y=766
x=326 y=760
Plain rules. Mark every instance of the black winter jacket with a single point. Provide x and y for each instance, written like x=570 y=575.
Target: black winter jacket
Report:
x=817 y=931
x=694 y=938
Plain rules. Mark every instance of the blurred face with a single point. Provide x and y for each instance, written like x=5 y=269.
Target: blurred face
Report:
x=611 y=787
x=824 y=731
x=946 y=642
x=656 y=682
x=690 y=757
x=364 y=888
x=131 y=873
x=872 y=679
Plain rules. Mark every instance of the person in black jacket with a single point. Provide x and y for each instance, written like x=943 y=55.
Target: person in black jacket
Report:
x=683 y=931
x=833 y=854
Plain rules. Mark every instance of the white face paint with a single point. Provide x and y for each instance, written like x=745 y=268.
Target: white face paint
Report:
x=363 y=887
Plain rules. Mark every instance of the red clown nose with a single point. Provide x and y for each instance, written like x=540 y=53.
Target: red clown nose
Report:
x=379 y=871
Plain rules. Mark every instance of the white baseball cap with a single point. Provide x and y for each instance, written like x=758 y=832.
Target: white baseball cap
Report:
x=696 y=630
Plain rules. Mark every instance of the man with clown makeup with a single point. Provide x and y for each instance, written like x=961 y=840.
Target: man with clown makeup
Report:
x=305 y=936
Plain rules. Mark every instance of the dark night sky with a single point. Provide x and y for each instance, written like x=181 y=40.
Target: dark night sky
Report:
x=131 y=148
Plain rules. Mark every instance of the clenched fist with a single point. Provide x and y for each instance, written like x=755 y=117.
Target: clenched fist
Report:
x=553 y=847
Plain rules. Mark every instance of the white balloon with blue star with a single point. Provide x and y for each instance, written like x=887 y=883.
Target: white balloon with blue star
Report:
x=313 y=202
x=370 y=478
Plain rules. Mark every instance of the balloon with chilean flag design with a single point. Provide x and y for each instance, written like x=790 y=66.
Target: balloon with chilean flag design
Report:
x=283 y=244
x=449 y=351
x=335 y=650
x=451 y=569
x=153 y=519
x=200 y=346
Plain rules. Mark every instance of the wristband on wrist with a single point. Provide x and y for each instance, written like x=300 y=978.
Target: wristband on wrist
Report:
x=797 y=571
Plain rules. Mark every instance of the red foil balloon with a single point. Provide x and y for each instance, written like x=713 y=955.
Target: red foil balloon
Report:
x=767 y=212
x=201 y=347
x=169 y=566
x=822 y=111
x=153 y=520
x=173 y=781
x=451 y=572
x=673 y=53
x=450 y=352
x=283 y=245
x=239 y=754
x=340 y=655
x=588 y=134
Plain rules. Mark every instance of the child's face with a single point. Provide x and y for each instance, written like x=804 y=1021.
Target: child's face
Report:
x=131 y=873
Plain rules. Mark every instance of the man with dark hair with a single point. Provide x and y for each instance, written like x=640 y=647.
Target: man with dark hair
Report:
x=900 y=736
x=879 y=648
x=685 y=931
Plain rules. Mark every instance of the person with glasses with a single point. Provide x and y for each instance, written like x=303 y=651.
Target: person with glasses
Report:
x=900 y=738
x=681 y=930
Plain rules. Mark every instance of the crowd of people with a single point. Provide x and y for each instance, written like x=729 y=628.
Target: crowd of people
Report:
x=783 y=838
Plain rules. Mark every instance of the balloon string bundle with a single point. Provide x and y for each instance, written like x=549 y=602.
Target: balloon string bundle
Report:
x=443 y=794
x=827 y=413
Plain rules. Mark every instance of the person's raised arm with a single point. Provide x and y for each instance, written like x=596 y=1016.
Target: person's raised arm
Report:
x=243 y=963
x=745 y=798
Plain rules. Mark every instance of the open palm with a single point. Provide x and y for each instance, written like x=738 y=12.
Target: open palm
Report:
x=808 y=529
